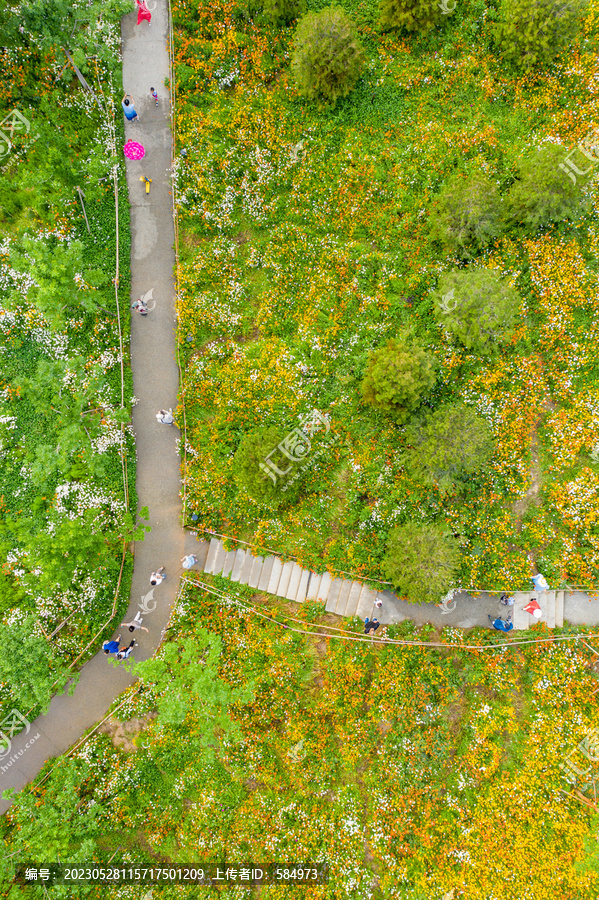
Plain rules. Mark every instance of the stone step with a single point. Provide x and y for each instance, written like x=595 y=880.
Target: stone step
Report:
x=521 y=620
x=254 y=578
x=325 y=586
x=248 y=565
x=211 y=555
x=285 y=576
x=343 y=598
x=221 y=555
x=335 y=589
x=365 y=603
x=352 y=600
x=275 y=576
x=560 y=599
x=228 y=564
x=237 y=569
x=266 y=573
x=294 y=580
x=547 y=601
x=302 y=588
x=313 y=585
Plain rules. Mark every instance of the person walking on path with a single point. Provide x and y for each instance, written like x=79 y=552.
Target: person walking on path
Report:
x=111 y=646
x=135 y=623
x=371 y=625
x=378 y=603
x=165 y=416
x=125 y=652
x=501 y=624
x=143 y=13
x=129 y=108
x=158 y=576
x=188 y=561
x=154 y=94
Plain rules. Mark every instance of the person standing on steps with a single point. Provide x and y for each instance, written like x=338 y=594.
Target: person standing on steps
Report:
x=158 y=576
x=135 y=623
x=125 y=652
x=188 y=561
x=111 y=646
x=165 y=416
x=129 y=108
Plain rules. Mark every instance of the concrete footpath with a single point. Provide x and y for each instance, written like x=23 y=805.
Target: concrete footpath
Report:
x=156 y=380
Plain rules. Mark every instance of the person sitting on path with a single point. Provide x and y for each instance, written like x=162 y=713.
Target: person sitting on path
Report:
x=129 y=108
x=165 y=416
x=501 y=624
x=111 y=646
x=371 y=625
x=188 y=561
x=505 y=600
x=158 y=576
x=140 y=306
x=135 y=623
x=125 y=652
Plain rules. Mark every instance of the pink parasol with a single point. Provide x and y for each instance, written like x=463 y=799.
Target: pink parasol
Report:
x=133 y=150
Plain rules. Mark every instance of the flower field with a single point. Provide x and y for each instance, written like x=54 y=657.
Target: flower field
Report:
x=305 y=245
x=412 y=771
x=67 y=476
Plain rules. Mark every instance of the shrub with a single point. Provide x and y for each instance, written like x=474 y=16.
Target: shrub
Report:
x=448 y=447
x=543 y=192
x=467 y=214
x=283 y=10
x=397 y=376
x=327 y=57
x=410 y=15
x=421 y=561
x=477 y=307
x=254 y=474
x=531 y=32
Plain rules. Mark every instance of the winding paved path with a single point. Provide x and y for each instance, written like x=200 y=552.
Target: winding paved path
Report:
x=155 y=374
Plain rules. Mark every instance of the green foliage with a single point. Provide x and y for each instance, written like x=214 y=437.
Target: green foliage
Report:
x=29 y=666
x=327 y=56
x=186 y=682
x=283 y=11
x=421 y=561
x=530 y=33
x=410 y=15
x=397 y=376
x=543 y=192
x=262 y=484
x=449 y=446
x=477 y=306
x=467 y=214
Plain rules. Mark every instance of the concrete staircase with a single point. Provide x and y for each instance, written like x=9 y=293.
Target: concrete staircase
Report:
x=289 y=580
x=551 y=602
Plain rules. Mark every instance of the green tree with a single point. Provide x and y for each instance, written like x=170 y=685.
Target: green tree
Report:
x=421 y=561
x=253 y=467
x=409 y=15
x=286 y=11
x=397 y=376
x=327 y=56
x=449 y=446
x=29 y=666
x=531 y=33
x=186 y=683
x=467 y=214
x=543 y=192
x=478 y=307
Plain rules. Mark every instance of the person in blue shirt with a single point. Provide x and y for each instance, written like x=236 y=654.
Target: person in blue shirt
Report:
x=111 y=646
x=501 y=624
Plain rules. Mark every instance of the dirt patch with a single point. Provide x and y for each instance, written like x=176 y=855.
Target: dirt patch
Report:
x=123 y=733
